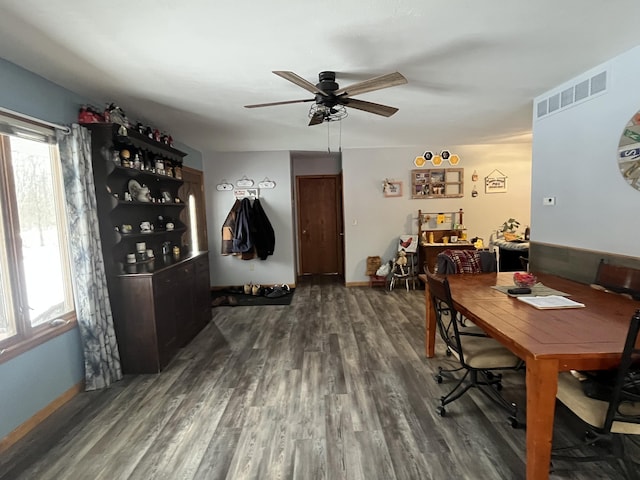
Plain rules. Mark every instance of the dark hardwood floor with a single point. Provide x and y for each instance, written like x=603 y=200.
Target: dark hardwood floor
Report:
x=334 y=386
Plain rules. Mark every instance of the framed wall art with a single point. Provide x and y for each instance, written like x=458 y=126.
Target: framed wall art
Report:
x=392 y=188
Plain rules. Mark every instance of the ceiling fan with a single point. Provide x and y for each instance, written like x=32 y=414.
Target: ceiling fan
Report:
x=330 y=100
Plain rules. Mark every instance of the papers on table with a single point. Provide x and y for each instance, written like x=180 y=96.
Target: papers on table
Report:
x=551 y=301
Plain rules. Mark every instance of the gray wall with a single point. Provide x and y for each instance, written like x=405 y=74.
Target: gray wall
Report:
x=277 y=203
x=575 y=160
x=374 y=222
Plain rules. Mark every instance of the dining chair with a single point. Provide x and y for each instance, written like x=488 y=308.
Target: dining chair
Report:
x=618 y=279
x=466 y=262
x=453 y=261
x=610 y=423
x=480 y=357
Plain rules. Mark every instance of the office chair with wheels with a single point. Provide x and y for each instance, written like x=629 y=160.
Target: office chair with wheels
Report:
x=609 y=422
x=480 y=357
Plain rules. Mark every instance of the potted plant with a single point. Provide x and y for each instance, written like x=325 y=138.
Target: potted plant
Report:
x=509 y=229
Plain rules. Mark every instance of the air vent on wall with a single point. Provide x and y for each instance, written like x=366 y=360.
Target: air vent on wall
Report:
x=580 y=91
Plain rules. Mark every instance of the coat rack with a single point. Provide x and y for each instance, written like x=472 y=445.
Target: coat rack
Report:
x=245 y=188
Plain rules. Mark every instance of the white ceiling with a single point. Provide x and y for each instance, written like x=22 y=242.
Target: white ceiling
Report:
x=189 y=66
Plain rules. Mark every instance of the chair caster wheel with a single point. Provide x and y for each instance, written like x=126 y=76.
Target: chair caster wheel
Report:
x=513 y=421
x=498 y=386
x=489 y=375
x=438 y=378
x=448 y=352
x=441 y=411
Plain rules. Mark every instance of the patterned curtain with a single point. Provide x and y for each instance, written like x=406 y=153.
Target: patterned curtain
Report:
x=95 y=321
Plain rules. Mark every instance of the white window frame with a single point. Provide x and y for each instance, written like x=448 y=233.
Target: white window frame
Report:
x=27 y=336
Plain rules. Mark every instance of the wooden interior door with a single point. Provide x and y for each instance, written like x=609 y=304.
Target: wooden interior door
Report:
x=194 y=186
x=320 y=225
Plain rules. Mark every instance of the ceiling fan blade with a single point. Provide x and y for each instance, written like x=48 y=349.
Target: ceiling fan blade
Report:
x=370 y=107
x=376 y=83
x=301 y=82
x=316 y=119
x=279 y=103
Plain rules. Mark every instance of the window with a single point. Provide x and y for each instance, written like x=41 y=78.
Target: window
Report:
x=35 y=281
x=193 y=223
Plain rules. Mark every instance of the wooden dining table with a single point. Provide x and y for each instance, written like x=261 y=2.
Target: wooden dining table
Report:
x=549 y=341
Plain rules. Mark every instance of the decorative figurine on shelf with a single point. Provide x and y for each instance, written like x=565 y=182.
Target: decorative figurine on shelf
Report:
x=156 y=135
x=139 y=192
x=116 y=115
x=125 y=155
x=160 y=222
x=137 y=164
x=89 y=114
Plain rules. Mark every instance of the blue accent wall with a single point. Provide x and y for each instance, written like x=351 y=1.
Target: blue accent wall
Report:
x=193 y=158
x=31 y=381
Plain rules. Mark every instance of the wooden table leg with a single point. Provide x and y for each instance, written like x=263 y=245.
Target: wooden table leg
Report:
x=430 y=325
x=542 y=386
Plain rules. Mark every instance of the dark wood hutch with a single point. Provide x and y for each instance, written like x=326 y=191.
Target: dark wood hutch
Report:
x=160 y=293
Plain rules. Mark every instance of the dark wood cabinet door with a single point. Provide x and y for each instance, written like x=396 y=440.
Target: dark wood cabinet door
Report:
x=186 y=322
x=164 y=286
x=202 y=292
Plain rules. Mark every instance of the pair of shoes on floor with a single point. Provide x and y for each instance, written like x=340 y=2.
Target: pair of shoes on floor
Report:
x=277 y=291
x=224 y=300
x=235 y=290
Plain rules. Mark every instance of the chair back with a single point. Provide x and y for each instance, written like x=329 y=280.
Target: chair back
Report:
x=453 y=261
x=446 y=314
x=619 y=279
x=627 y=385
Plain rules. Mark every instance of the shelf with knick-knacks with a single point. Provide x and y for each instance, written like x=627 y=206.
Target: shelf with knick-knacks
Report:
x=439 y=231
x=437 y=183
x=441 y=227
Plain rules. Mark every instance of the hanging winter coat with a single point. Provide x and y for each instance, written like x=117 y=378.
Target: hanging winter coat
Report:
x=263 y=236
x=229 y=228
x=242 y=241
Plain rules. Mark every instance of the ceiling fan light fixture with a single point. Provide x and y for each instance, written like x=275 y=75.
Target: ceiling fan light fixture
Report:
x=328 y=114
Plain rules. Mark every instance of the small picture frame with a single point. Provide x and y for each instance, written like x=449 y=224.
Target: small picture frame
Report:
x=166 y=196
x=393 y=189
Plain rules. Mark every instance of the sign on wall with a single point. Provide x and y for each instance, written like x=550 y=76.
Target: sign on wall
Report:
x=495 y=182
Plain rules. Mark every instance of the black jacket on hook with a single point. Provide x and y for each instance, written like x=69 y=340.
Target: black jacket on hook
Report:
x=242 y=236
x=263 y=236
